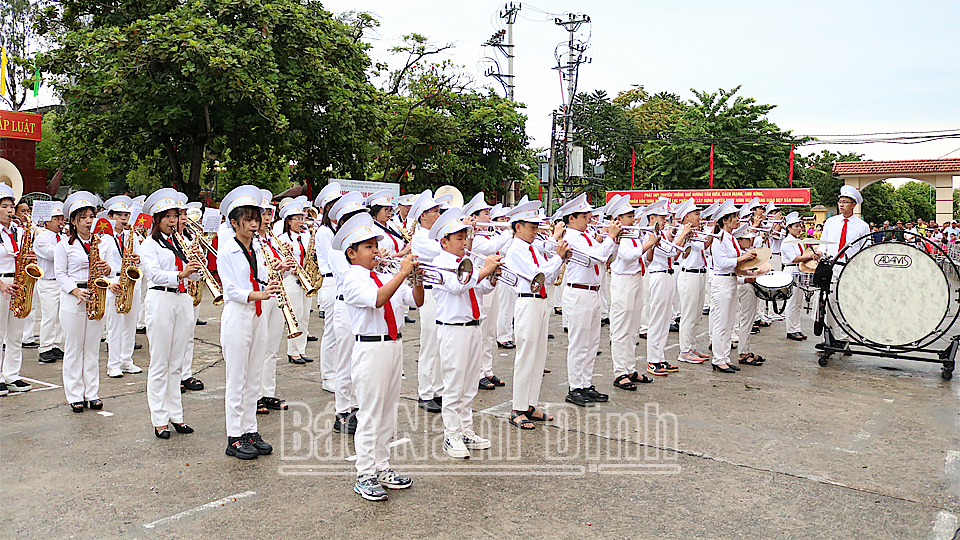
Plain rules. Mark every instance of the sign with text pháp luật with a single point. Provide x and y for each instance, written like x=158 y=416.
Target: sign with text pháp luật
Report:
x=780 y=197
x=19 y=125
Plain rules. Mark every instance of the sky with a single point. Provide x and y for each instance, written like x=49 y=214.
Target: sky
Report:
x=838 y=67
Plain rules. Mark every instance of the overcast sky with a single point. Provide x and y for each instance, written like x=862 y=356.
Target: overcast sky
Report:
x=831 y=67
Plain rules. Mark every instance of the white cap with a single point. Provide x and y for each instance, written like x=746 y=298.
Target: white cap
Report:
x=182 y=200
x=448 y=223
x=523 y=200
x=292 y=208
x=622 y=207
x=349 y=202
x=357 y=229
x=384 y=197
x=57 y=209
x=659 y=207
x=444 y=200
x=577 y=205
x=476 y=204
x=611 y=204
x=161 y=200
x=528 y=211
x=407 y=200
x=120 y=203
x=498 y=211
x=770 y=207
x=749 y=206
x=726 y=208
x=267 y=198
x=330 y=192
x=76 y=200
x=743 y=231
x=6 y=192
x=707 y=213
x=793 y=217
x=423 y=203
x=685 y=208
x=852 y=193
x=140 y=199
x=240 y=196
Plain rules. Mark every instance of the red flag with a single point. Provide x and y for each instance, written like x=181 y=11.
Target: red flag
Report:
x=143 y=221
x=711 y=166
x=103 y=226
x=790 y=169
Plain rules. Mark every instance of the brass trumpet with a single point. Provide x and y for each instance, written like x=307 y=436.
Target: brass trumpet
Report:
x=511 y=278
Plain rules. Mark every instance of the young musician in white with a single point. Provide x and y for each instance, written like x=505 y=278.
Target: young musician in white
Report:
x=660 y=271
x=380 y=205
x=747 y=302
x=190 y=212
x=121 y=328
x=691 y=284
x=51 y=333
x=11 y=328
x=170 y=320
x=328 y=290
x=424 y=214
x=793 y=254
x=374 y=301
x=398 y=222
x=296 y=241
x=81 y=346
x=506 y=297
x=276 y=323
x=727 y=254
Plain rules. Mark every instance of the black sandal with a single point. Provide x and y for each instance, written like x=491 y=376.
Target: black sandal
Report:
x=762 y=324
x=624 y=385
x=759 y=358
x=182 y=427
x=749 y=360
x=507 y=345
x=487 y=384
x=77 y=407
x=638 y=378
x=544 y=417
x=496 y=380
x=96 y=404
x=262 y=407
x=522 y=424
x=191 y=383
x=274 y=403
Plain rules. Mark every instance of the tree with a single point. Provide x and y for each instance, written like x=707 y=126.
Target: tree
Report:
x=816 y=172
x=16 y=27
x=263 y=79
x=920 y=198
x=92 y=175
x=605 y=131
x=880 y=203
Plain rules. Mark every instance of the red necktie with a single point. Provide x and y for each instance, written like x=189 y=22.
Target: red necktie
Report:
x=180 y=286
x=474 y=306
x=543 y=293
x=596 y=267
x=396 y=246
x=643 y=267
x=303 y=250
x=58 y=238
x=256 y=287
x=735 y=246
x=13 y=240
x=843 y=236
x=387 y=311
x=86 y=246
x=669 y=258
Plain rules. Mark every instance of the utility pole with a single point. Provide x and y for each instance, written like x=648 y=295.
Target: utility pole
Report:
x=552 y=167
x=570 y=72
x=509 y=15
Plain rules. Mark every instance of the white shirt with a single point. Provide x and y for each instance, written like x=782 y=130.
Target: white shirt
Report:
x=423 y=247
x=360 y=294
x=833 y=228
x=72 y=263
x=664 y=256
x=453 y=298
x=725 y=251
x=8 y=255
x=159 y=263
x=389 y=243
x=44 y=246
x=520 y=260
x=339 y=266
x=322 y=245
x=790 y=251
x=297 y=245
x=697 y=259
x=234 y=270
x=629 y=259
x=599 y=252
x=110 y=247
x=488 y=243
x=397 y=223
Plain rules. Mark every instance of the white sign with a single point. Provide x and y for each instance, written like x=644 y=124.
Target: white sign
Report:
x=367 y=188
x=42 y=211
x=211 y=220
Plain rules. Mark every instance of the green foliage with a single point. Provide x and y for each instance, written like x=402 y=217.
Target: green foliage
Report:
x=91 y=173
x=920 y=198
x=16 y=28
x=816 y=172
x=142 y=181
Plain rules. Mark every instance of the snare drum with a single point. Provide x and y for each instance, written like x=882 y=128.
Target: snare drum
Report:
x=774 y=287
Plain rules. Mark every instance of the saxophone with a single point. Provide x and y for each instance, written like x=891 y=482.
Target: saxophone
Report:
x=96 y=284
x=285 y=307
x=192 y=251
x=129 y=276
x=298 y=271
x=25 y=277
x=312 y=266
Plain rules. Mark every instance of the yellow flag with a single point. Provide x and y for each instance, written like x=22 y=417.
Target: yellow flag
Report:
x=3 y=72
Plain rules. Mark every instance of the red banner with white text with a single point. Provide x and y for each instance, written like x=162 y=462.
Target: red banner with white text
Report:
x=782 y=197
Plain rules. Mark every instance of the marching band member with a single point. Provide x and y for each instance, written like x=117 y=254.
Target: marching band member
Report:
x=459 y=314
x=81 y=376
x=581 y=301
x=275 y=322
x=793 y=254
x=373 y=301
x=121 y=328
x=243 y=329
x=11 y=328
x=398 y=222
x=723 y=304
x=140 y=220
x=532 y=310
x=51 y=333
x=190 y=211
x=381 y=210
x=292 y=235
x=691 y=285
x=170 y=321
x=747 y=301
x=328 y=290
x=506 y=296
x=22 y=213
x=645 y=313
x=663 y=290
x=626 y=294
x=424 y=214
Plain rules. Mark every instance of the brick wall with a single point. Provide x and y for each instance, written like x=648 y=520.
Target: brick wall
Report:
x=23 y=154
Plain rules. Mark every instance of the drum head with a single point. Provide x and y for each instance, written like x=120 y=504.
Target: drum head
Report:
x=892 y=294
x=775 y=280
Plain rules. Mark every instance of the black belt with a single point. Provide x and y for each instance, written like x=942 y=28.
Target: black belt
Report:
x=82 y=285
x=776 y=254
x=428 y=287
x=695 y=270
x=792 y=264
x=378 y=338
x=340 y=297
x=584 y=287
x=469 y=323
x=531 y=295
x=11 y=274
x=327 y=275
x=670 y=271
x=167 y=289
x=715 y=274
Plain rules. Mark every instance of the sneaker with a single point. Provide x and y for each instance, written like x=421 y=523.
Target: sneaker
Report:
x=3 y=389
x=706 y=311
x=700 y=354
x=473 y=441
x=346 y=423
x=19 y=385
x=669 y=368
x=578 y=398
x=114 y=373
x=674 y=327
x=690 y=358
x=57 y=352
x=131 y=369
x=263 y=448
x=369 y=488
x=241 y=448
x=593 y=394
x=30 y=345
x=430 y=405
x=455 y=447
x=141 y=329
x=656 y=369
x=48 y=357
x=327 y=385
x=391 y=480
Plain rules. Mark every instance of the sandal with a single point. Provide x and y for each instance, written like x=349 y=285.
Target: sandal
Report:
x=624 y=385
x=276 y=404
x=262 y=407
x=496 y=380
x=191 y=383
x=77 y=407
x=749 y=360
x=762 y=324
x=487 y=384
x=638 y=378
x=547 y=370
x=526 y=423
x=507 y=345
x=759 y=358
x=544 y=417
x=96 y=404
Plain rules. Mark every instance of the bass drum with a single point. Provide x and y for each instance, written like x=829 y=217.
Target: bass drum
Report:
x=892 y=294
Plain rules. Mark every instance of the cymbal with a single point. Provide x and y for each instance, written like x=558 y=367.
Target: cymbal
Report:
x=763 y=255
x=809 y=267
x=809 y=241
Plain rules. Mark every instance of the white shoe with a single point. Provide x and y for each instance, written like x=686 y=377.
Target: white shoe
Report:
x=690 y=358
x=131 y=369
x=776 y=317
x=114 y=373
x=473 y=441
x=328 y=386
x=454 y=447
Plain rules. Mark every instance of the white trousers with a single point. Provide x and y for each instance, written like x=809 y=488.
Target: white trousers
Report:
x=301 y=308
x=376 y=369
x=11 y=335
x=690 y=288
x=604 y=292
x=505 y=319
x=645 y=312
x=488 y=333
x=51 y=333
x=626 y=301
x=345 y=398
x=142 y=320
x=707 y=290
x=187 y=370
x=121 y=331
x=746 y=315
x=460 y=365
x=583 y=308
x=675 y=305
x=243 y=336
x=533 y=317
x=81 y=350
x=30 y=323
x=170 y=324
x=558 y=301
x=276 y=331
x=792 y=312
x=766 y=310
x=429 y=378
x=662 y=293
x=328 y=345
x=723 y=313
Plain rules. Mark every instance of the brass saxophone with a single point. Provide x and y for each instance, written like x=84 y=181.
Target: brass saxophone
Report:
x=193 y=252
x=274 y=275
x=129 y=276
x=25 y=277
x=96 y=284
x=312 y=265
x=195 y=290
x=298 y=271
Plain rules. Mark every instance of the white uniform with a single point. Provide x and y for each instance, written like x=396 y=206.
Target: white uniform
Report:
x=626 y=292
x=344 y=338
x=723 y=303
x=486 y=244
x=429 y=379
x=789 y=252
x=11 y=328
x=691 y=284
x=121 y=329
x=296 y=294
x=833 y=230
x=81 y=351
x=275 y=333
x=325 y=303
x=746 y=314
x=51 y=333
x=376 y=365
x=663 y=290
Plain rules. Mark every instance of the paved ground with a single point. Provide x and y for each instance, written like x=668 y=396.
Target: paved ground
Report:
x=863 y=448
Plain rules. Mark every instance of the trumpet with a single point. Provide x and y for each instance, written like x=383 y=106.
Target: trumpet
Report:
x=634 y=231
x=511 y=278
x=580 y=258
x=432 y=275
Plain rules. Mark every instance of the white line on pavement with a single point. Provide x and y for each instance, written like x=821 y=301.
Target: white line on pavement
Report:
x=209 y=506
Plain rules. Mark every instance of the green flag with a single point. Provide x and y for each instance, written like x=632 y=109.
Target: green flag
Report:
x=36 y=80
